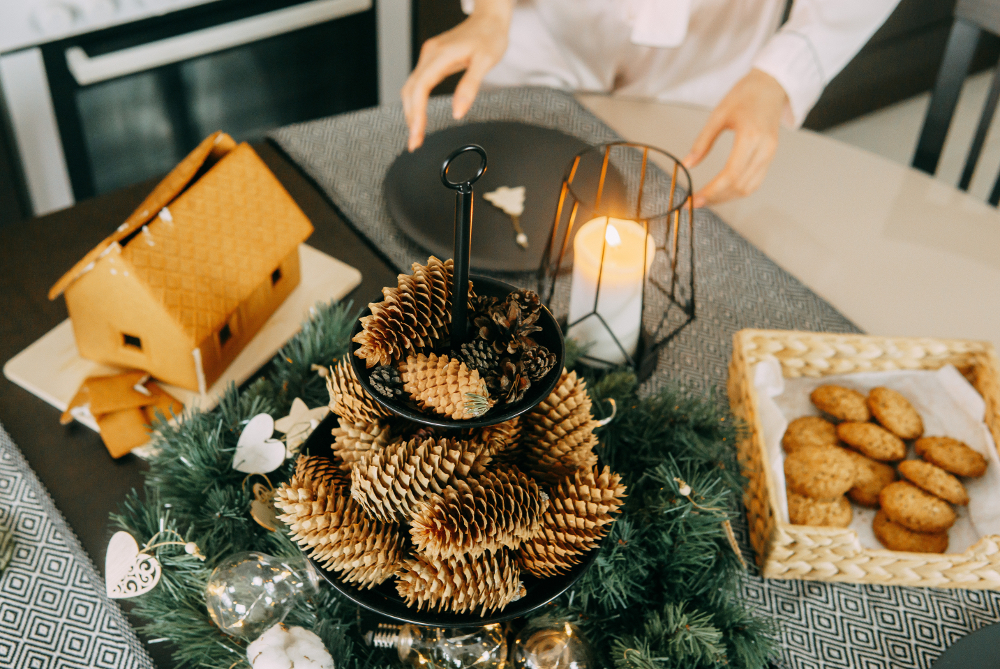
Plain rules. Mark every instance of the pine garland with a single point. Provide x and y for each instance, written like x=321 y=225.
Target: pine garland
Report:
x=663 y=592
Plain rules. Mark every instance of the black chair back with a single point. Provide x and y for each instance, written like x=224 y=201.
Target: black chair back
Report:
x=972 y=17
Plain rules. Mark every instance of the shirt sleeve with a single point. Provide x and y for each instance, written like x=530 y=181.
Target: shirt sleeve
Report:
x=818 y=40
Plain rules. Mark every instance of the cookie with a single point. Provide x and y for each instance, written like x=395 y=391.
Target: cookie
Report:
x=895 y=537
x=934 y=480
x=819 y=472
x=841 y=403
x=870 y=476
x=874 y=441
x=895 y=413
x=809 y=431
x=951 y=455
x=807 y=511
x=914 y=509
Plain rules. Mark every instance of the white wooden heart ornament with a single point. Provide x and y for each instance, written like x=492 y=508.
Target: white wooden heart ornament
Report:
x=128 y=572
x=256 y=452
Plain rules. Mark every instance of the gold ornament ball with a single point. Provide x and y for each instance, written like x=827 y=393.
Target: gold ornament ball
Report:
x=552 y=646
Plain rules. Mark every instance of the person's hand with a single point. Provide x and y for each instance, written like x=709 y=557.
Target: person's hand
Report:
x=752 y=110
x=475 y=45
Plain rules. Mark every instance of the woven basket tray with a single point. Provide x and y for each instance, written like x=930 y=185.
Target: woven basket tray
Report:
x=832 y=553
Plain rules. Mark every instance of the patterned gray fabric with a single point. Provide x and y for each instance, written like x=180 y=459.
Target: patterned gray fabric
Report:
x=822 y=624
x=54 y=612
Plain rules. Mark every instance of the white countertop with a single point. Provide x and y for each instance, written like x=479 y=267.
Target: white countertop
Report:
x=896 y=251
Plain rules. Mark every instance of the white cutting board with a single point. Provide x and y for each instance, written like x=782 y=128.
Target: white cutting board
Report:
x=52 y=369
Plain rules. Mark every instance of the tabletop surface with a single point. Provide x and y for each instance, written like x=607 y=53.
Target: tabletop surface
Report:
x=864 y=233
x=896 y=251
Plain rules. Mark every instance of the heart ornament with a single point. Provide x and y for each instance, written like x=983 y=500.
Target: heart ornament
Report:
x=256 y=452
x=128 y=572
x=262 y=507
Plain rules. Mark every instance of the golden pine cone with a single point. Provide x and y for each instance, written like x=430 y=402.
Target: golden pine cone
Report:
x=578 y=516
x=411 y=317
x=471 y=517
x=501 y=439
x=460 y=584
x=349 y=399
x=390 y=482
x=332 y=527
x=445 y=386
x=352 y=441
x=559 y=434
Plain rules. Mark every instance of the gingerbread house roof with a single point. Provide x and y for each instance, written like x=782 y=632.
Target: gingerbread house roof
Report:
x=202 y=253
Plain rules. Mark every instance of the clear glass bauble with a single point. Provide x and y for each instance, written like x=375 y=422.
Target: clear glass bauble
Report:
x=249 y=592
x=552 y=646
x=437 y=648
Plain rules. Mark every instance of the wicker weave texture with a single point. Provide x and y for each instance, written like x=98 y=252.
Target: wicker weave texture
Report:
x=835 y=554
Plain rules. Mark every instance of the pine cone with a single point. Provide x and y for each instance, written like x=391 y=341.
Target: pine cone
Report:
x=578 y=516
x=559 y=433
x=460 y=584
x=500 y=439
x=390 y=482
x=349 y=399
x=445 y=385
x=508 y=383
x=471 y=517
x=385 y=380
x=353 y=441
x=333 y=529
x=480 y=356
x=411 y=318
x=536 y=362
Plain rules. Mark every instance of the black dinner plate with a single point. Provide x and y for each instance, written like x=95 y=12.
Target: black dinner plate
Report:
x=519 y=155
x=977 y=650
x=383 y=599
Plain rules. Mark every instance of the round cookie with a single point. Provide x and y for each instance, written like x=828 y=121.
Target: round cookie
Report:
x=934 y=480
x=914 y=509
x=874 y=441
x=870 y=476
x=951 y=455
x=895 y=413
x=809 y=431
x=806 y=511
x=895 y=537
x=819 y=472
x=841 y=403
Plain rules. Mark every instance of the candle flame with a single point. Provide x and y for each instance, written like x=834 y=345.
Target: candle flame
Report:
x=612 y=236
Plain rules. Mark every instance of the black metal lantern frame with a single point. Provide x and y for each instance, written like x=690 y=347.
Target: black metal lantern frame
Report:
x=644 y=184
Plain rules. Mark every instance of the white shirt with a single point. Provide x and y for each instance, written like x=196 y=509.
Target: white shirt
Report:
x=690 y=51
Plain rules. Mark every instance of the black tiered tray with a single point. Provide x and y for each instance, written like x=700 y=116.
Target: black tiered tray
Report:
x=383 y=599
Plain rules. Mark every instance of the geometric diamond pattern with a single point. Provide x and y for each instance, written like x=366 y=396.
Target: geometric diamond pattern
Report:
x=822 y=625
x=54 y=612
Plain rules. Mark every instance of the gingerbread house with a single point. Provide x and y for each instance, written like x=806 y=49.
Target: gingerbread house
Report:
x=185 y=283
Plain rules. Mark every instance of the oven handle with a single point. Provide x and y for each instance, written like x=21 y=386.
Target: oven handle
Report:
x=94 y=69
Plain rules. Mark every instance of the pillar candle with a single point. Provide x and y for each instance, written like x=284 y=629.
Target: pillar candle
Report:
x=620 y=299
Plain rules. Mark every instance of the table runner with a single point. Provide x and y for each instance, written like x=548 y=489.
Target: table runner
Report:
x=821 y=624
x=54 y=612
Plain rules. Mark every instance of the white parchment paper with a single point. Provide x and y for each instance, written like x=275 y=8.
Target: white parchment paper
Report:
x=949 y=406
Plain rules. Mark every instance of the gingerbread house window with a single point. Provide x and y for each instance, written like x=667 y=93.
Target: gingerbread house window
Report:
x=225 y=334
x=275 y=276
x=132 y=341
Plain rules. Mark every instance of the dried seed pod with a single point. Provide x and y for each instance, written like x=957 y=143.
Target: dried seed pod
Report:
x=352 y=441
x=333 y=528
x=460 y=584
x=580 y=513
x=494 y=511
x=445 y=386
x=349 y=399
x=559 y=433
x=411 y=318
x=390 y=482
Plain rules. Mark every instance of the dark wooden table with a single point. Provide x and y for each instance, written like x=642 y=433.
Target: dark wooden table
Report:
x=83 y=479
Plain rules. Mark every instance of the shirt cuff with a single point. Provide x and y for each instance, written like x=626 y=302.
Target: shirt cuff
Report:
x=789 y=57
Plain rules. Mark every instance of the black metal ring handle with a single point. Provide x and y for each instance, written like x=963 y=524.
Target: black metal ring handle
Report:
x=463 y=186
